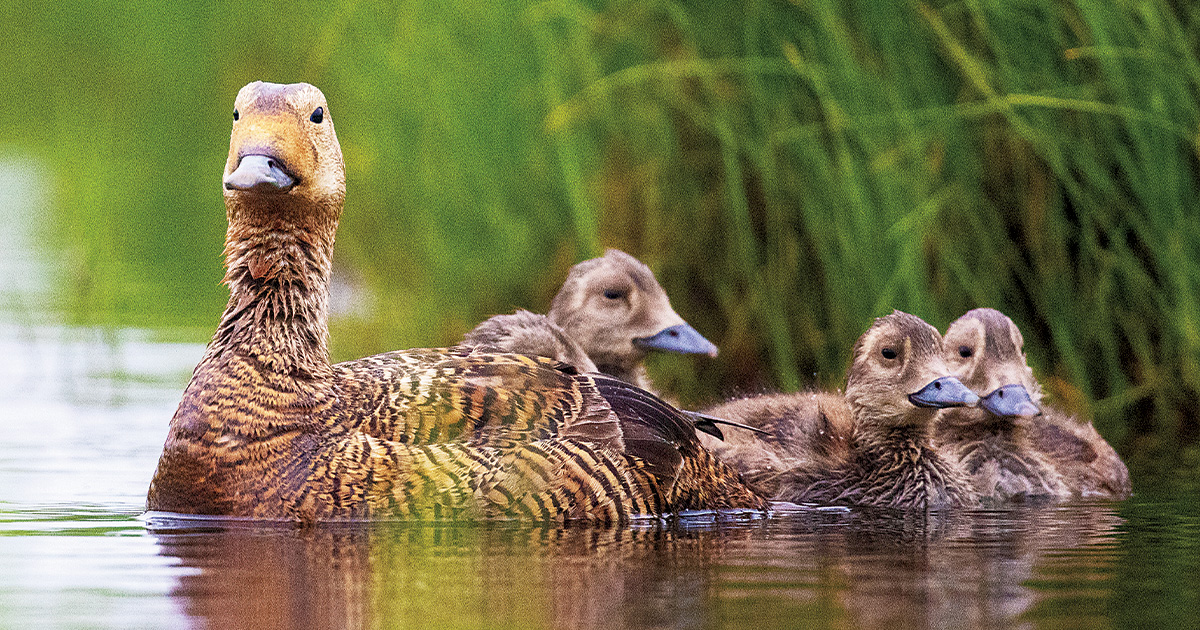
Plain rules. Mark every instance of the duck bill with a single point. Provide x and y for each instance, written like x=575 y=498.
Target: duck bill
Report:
x=680 y=338
x=260 y=173
x=946 y=391
x=1010 y=401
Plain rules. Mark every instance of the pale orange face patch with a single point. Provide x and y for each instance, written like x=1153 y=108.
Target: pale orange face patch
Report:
x=292 y=125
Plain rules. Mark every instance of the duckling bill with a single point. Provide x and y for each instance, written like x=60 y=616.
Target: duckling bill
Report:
x=681 y=338
x=269 y=428
x=1010 y=401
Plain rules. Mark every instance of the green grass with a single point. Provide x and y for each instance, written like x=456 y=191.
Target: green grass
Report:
x=790 y=170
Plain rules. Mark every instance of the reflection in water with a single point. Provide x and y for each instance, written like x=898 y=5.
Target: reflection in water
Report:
x=802 y=567
x=24 y=278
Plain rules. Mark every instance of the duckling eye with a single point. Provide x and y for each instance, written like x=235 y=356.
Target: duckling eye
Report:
x=888 y=353
x=318 y=115
x=964 y=352
x=235 y=115
x=614 y=294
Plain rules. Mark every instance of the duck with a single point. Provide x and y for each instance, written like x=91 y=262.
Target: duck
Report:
x=1014 y=447
x=869 y=447
x=810 y=429
x=525 y=332
x=986 y=351
x=610 y=309
x=268 y=428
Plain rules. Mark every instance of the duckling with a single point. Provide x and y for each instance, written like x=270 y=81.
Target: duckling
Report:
x=870 y=447
x=524 y=332
x=1013 y=446
x=1089 y=465
x=985 y=350
x=617 y=312
x=807 y=429
x=268 y=428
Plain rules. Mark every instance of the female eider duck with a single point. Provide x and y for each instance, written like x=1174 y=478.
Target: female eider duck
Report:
x=268 y=428
x=872 y=446
x=1013 y=448
x=610 y=309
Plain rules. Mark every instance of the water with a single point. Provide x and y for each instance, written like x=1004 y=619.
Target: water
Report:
x=85 y=413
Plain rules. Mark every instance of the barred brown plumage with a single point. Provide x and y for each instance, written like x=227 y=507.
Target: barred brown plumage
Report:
x=268 y=428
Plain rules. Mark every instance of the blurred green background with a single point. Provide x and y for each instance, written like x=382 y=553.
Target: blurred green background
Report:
x=789 y=169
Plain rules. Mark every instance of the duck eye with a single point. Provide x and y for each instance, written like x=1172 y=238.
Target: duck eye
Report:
x=614 y=294
x=888 y=353
x=964 y=352
x=235 y=115
x=318 y=115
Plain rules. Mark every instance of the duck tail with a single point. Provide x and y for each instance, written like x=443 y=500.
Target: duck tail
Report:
x=706 y=482
x=664 y=438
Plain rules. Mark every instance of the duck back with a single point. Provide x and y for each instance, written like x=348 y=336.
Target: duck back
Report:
x=444 y=434
x=1089 y=465
x=801 y=430
x=1000 y=458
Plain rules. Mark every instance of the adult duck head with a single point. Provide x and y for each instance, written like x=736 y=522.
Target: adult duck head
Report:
x=898 y=378
x=284 y=185
x=984 y=348
x=285 y=166
x=616 y=310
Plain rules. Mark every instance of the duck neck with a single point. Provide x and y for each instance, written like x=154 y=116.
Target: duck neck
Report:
x=278 y=309
x=885 y=427
x=977 y=425
x=910 y=439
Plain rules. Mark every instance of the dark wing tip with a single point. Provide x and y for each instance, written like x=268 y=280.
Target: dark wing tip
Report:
x=638 y=407
x=708 y=424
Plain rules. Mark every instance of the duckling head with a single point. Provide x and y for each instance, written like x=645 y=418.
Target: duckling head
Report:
x=985 y=350
x=898 y=377
x=285 y=166
x=615 y=309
